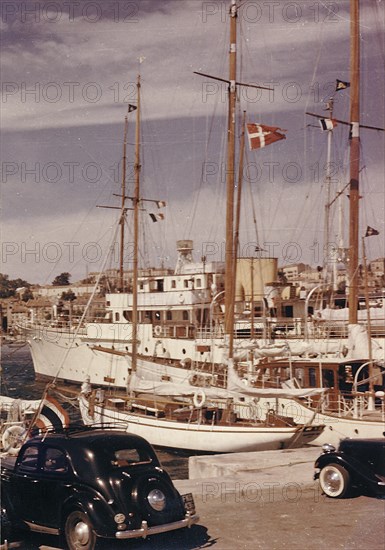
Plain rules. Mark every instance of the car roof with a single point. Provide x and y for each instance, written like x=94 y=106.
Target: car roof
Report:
x=92 y=438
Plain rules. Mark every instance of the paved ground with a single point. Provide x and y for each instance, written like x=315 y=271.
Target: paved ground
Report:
x=279 y=519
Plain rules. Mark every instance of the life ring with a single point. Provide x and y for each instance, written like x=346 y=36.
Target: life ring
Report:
x=199 y=399
x=12 y=438
x=181 y=298
x=158 y=330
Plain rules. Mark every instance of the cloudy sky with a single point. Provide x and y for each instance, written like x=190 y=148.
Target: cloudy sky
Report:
x=68 y=71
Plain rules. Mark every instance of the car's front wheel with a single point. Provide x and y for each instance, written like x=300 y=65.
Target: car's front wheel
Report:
x=78 y=531
x=334 y=480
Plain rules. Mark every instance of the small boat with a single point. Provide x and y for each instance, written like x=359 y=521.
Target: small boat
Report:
x=195 y=422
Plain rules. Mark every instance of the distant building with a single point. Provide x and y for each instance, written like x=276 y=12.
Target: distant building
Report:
x=55 y=292
x=292 y=272
x=376 y=270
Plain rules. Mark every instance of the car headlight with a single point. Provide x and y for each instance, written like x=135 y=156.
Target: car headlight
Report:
x=328 y=448
x=157 y=500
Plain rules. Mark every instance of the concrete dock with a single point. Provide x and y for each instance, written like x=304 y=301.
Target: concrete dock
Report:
x=263 y=471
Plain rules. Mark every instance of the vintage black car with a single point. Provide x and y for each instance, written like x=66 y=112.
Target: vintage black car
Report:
x=358 y=463
x=90 y=484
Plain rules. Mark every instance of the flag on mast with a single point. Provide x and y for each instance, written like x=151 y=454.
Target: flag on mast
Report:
x=370 y=231
x=341 y=85
x=52 y=415
x=156 y=217
x=260 y=135
x=327 y=124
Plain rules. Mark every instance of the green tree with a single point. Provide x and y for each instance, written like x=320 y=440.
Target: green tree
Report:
x=27 y=295
x=9 y=286
x=4 y=286
x=62 y=279
x=68 y=296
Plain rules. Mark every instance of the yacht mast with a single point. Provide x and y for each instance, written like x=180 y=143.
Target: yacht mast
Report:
x=230 y=171
x=354 y=159
x=327 y=243
x=123 y=216
x=236 y=231
x=136 y=199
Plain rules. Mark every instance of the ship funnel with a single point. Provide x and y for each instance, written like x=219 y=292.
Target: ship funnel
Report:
x=184 y=249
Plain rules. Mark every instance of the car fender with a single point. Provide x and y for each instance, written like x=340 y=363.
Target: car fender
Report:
x=100 y=513
x=358 y=471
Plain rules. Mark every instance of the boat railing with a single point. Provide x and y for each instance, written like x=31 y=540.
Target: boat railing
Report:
x=177 y=330
x=357 y=406
x=44 y=326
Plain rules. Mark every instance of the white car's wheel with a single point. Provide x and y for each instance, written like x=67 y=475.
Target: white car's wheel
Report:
x=334 y=480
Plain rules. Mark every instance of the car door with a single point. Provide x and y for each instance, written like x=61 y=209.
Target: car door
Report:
x=54 y=484
x=24 y=485
x=40 y=484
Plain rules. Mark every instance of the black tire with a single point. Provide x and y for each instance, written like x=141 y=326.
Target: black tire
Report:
x=334 y=480
x=78 y=531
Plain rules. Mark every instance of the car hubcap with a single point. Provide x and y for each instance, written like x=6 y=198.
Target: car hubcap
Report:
x=332 y=481
x=81 y=533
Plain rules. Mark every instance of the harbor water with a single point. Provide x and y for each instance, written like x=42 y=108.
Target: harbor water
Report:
x=18 y=381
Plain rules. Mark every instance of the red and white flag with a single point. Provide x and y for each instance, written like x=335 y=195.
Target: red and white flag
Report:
x=260 y=135
x=52 y=415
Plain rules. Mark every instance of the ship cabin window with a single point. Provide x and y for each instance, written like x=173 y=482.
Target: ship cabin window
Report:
x=169 y=315
x=287 y=311
x=312 y=377
x=328 y=378
x=127 y=315
x=108 y=303
x=185 y=315
x=160 y=285
x=198 y=283
x=185 y=283
x=157 y=316
x=117 y=316
x=173 y=284
x=147 y=317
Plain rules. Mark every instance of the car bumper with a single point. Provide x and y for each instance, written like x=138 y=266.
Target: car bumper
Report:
x=146 y=531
